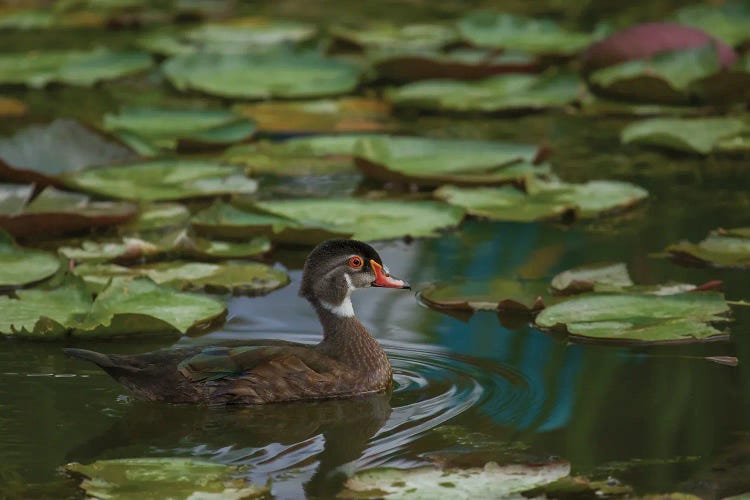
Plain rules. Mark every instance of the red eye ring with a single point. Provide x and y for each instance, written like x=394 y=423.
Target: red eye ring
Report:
x=355 y=262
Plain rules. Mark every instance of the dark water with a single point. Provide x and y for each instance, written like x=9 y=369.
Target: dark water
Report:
x=660 y=419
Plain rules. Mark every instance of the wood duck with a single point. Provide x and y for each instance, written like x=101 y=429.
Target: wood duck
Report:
x=347 y=362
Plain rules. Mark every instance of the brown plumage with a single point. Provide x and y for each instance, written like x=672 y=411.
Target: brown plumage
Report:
x=347 y=362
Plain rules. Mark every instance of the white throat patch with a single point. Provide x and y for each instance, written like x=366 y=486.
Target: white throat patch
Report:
x=345 y=309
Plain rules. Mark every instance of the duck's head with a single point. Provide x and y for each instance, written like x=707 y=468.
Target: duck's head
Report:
x=335 y=268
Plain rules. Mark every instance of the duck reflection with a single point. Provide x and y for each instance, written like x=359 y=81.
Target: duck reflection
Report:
x=301 y=446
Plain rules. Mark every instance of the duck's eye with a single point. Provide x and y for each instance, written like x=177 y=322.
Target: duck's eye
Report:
x=355 y=262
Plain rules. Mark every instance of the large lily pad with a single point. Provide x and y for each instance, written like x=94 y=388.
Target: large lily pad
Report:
x=501 y=295
x=347 y=114
x=21 y=266
x=552 y=200
x=688 y=135
x=437 y=161
x=157 y=478
x=509 y=31
x=41 y=153
x=389 y=36
x=639 y=318
x=262 y=75
x=83 y=68
x=55 y=212
x=490 y=481
x=728 y=21
x=722 y=248
x=182 y=129
x=163 y=179
x=504 y=93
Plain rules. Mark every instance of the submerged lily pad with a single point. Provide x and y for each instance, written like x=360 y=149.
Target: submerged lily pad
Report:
x=41 y=153
x=727 y=21
x=490 y=481
x=83 y=68
x=347 y=114
x=262 y=75
x=55 y=212
x=684 y=317
x=722 y=248
x=509 y=31
x=551 y=200
x=182 y=129
x=433 y=162
x=501 y=295
x=21 y=266
x=688 y=135
x=163 y=179
x=504 y=93
x=156 y=478
x=386 y=36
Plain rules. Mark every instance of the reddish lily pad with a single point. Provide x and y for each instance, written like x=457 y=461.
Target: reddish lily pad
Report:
x=722 y=248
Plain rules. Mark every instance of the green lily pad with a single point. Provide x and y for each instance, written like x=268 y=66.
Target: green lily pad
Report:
x=728 y=21
x=722 y=248
x=490 y=481
x=262 y=75
x=239 y=278
x=157 y=478
x=154 y=216
x=83 y=68
x=509 y=31
x=501 y=295
x=163 y=179
x=41 y=153
x=55 y=212
x=347 y=114
x=433 y=162
x=504 y=93
x=588 y=278
x=182 y=129
x=639 y=318
x=390 y=36
x=22 y=266
x=26 y=19
x=688 y=135
x=551 y=200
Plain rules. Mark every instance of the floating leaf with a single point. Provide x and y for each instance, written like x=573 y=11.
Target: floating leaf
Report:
x=10 y=107
x=56 y=212
x=433 y=162
x=84 y=68
x=722 y=248
x=502 y=93
x=547 y=201
x=385 y=36
x=21 y=266
x=502 y=295
x=688 y=135
x=163 y=179
x=154 y=478
x=159 y=216
x=729 y=21
x=490 y=481
x=684 y=317
x=41 y=153
x=262 y=75
x=587 y=278
x=183 y=129
x=509 y=31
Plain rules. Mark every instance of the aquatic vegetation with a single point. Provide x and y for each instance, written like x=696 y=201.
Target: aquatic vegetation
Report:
x=701 y=136
x=721 y=248
x=21 y=266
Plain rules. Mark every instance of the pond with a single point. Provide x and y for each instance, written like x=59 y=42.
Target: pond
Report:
x=475 y=387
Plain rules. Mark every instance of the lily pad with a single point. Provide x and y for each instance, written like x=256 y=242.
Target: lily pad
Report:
x=433 y=162
x=728 y=21
x=490 y=481
x=347 y=114
x=154 y=216
x=22 y=266
x=262 y=75
x=688 y=135
x=182 y=129
x=504 y=93
x=82 y=68
x=41 y=153
x=156 y=478
x=553 y=200
x=55 y=212
x=163 y=179
x=722 y=248
x=10 y=107
x=509 y=31
x=390 y=36
x=501 y=295
x=239 y=278
x=588 y=278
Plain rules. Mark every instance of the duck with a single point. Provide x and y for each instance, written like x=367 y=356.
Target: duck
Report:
x=347 y=362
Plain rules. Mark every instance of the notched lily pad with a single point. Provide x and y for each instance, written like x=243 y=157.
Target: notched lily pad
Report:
x=154 y=478
x=500 y=295
x=262 y=75
x=433 y=162
x=22 y=266
x=163 y=179
x=701 y=136
x=722 y=248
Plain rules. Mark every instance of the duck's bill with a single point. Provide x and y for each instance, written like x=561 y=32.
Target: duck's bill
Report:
x=384 y=279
